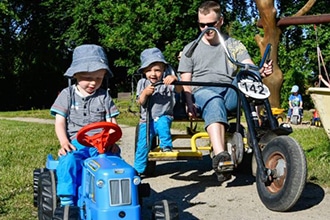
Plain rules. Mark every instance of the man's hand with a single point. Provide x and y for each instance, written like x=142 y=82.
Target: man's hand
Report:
x=191 y=111
x=266 y=69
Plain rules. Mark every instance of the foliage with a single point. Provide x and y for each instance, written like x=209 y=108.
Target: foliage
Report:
x=37 y=38
x=300 y=66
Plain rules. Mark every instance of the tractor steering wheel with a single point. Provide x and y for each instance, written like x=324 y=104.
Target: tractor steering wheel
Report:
x=102 y=139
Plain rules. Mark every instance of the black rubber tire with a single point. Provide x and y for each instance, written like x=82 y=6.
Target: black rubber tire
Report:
x=36 y=174
x=165 y=210
x=151 y=165
x=144 y=190
x=47 y=199
x=67 y=213
x=284 y=155
x=254 y=165
x=238 y=140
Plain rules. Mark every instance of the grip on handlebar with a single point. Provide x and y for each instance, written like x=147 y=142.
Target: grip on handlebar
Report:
x=266 y=55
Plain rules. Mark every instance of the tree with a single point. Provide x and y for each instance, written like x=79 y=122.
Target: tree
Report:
x=272 y=34
x=37 y=38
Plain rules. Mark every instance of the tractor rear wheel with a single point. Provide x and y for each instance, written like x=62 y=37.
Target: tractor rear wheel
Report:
x=47 y=199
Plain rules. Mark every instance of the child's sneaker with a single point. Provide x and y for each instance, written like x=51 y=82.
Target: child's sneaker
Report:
x=166 y=149
x=66 y=201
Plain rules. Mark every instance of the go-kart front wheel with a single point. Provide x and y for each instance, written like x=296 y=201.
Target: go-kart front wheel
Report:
x=286 y=159
x=295 y=120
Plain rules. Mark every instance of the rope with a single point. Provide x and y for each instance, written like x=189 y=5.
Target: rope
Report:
x=320 y=57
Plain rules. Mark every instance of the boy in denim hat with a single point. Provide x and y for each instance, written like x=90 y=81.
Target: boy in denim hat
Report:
x=76 y=106
x=161 y=102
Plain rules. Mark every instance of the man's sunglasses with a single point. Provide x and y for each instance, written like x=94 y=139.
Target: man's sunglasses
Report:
x=202 y=25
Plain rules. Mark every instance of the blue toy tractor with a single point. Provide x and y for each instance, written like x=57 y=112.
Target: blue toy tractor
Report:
x=110 y=188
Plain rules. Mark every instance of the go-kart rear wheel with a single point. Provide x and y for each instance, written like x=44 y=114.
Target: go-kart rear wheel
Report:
x=165 y=210
x=286 y=159
x=36 y=174
x=67 y=213
x=47 y=199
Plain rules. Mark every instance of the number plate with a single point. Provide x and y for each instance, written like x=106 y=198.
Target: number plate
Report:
x=256 y=90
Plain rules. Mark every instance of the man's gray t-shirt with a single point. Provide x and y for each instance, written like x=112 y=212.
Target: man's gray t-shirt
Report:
x=81 y=111
x=162 y=101
x=210 y=63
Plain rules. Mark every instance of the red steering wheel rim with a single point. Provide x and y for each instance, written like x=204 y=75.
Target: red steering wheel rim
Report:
x=102 y=139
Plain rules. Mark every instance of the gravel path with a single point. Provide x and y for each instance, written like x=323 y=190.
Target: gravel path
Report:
x=193 y=186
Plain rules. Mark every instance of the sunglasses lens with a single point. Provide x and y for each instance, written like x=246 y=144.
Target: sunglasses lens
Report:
x=202 y=25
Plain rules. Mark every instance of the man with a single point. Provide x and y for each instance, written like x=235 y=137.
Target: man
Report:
x=208 y=63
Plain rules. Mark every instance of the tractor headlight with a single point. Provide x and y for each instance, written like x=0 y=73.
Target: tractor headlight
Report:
x=136 y=180
x=100 y=183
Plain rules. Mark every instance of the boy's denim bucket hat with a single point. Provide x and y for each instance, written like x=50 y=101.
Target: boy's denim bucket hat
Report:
x=88 y=58
x=149 y=56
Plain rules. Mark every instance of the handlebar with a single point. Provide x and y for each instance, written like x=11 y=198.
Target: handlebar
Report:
x=190 y=51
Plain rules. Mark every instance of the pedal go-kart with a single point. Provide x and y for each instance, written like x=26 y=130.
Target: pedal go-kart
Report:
x=110 y=187
x=278 y=161
x=296 y=116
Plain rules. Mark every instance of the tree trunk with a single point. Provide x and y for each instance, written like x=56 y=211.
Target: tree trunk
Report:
x=272 y=35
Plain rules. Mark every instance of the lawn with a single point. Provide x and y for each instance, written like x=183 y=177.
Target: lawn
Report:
x=24 y=147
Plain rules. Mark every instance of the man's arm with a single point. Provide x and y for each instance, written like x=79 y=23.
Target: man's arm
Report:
x=191 y=110
x=324 y=81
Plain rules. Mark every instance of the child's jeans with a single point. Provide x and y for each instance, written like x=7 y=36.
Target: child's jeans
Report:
x=161 y=127
x=69 y=169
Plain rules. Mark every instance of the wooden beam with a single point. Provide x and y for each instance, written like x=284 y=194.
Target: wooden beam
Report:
x=297 y=20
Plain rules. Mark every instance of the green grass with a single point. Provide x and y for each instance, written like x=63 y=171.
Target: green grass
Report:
x=24 y=147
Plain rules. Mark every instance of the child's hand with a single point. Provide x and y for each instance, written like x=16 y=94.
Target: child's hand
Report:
x=149 y=90
x=170 y=79
x=65 y=147
x=114 y=148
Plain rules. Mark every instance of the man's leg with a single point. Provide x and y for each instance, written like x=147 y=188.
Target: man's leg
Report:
x=211 y=102
x=216 y=133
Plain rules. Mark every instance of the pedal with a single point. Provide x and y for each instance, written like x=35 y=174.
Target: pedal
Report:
x=226 y=166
